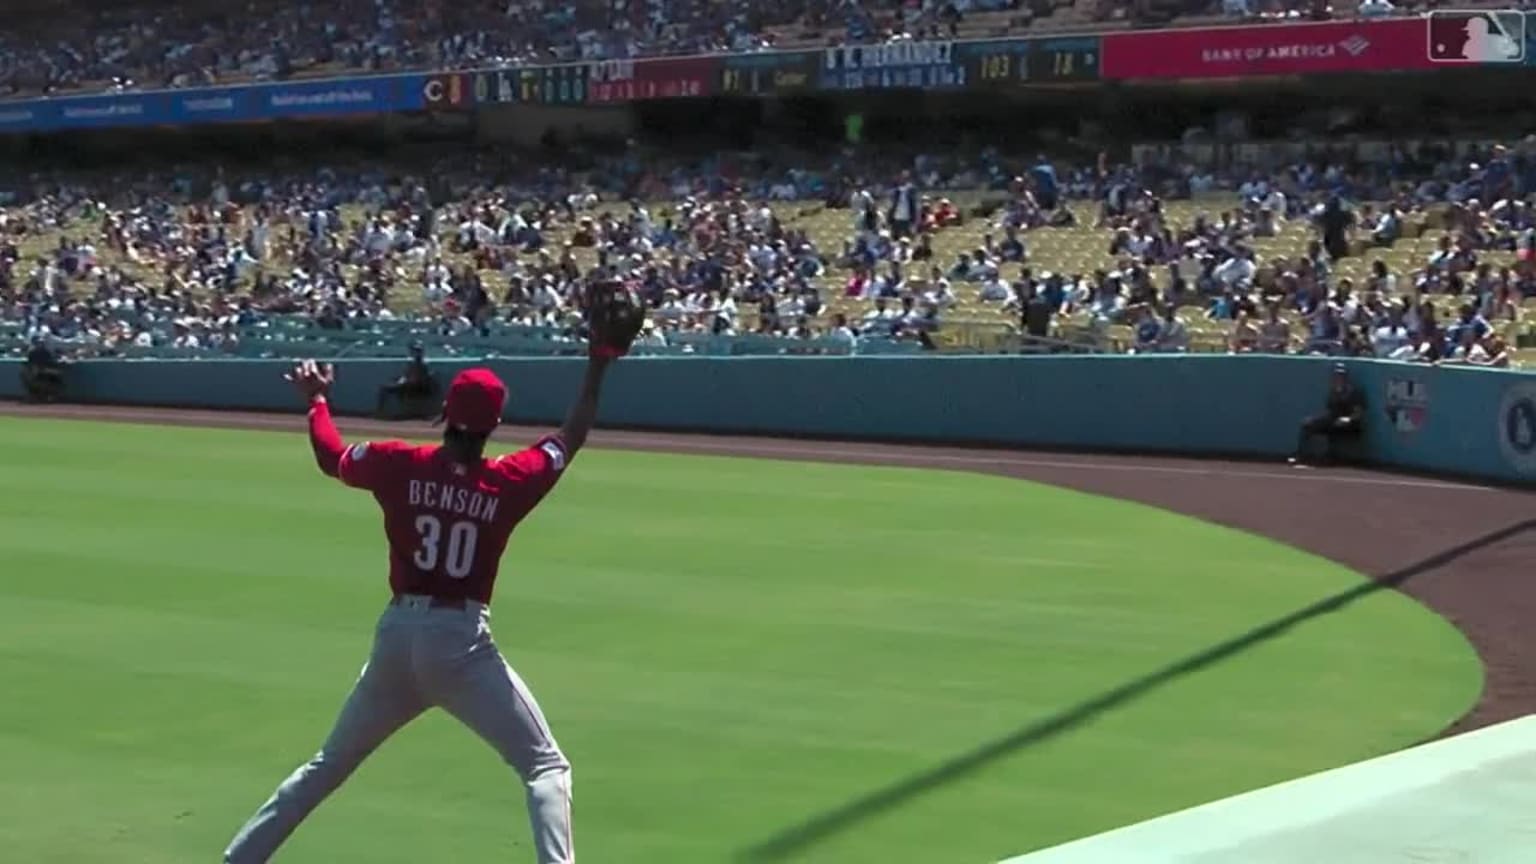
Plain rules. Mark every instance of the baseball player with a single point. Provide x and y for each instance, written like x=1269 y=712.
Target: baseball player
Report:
x=448 y=512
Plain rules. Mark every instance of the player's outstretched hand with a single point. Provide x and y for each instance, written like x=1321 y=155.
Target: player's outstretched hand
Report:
x=616 y=316
x=311 y=379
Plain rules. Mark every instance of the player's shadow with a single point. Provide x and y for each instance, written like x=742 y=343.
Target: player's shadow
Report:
x=797 y=838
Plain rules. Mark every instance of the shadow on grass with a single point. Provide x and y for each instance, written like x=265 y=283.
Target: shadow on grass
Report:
x=798 y=838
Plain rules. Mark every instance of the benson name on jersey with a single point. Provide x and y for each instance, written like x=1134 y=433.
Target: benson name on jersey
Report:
x=453 y=499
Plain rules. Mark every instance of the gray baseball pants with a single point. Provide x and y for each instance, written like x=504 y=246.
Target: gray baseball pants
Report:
x=424 y=657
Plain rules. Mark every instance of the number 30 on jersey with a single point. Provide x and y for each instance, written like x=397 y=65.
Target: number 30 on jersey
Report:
x=458 y=556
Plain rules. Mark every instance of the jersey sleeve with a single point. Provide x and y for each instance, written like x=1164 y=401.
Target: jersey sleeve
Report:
x=536 y=469
x=369 y=465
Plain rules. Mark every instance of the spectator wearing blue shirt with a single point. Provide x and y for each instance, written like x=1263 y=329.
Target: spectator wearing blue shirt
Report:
x=1498 y=178
x=1222 y=308
x=1327 y=334
x=963 y=270
x=1052 y=289
x=1467 y=320
x=1012 y=247
x=1149 y=331
x=1047 y=191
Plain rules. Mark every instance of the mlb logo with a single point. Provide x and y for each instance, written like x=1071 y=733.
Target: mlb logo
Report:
x=1407 y=404
x=1476 y=37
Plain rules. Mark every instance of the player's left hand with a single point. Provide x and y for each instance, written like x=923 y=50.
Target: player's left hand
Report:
x=312 y=379
x=616 y=315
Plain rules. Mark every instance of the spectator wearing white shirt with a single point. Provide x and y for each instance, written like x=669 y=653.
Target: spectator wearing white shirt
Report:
x=842 y=333
x=1376 y=8
x=1392 y=339
x=436 y=282
x=1238 y=270
x=866 y=219
x=1387 y=227
x=547 y=295
x=671 y=311
x=993 y=287
x=651 y=336
x=725 y=307
x=379 y=238
x=184 y=337
x=940 y=293
x=1276 y=202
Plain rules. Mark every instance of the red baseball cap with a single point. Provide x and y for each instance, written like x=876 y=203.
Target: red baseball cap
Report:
x=475 y=400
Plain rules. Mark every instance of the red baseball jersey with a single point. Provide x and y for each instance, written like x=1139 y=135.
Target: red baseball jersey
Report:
x=448 y=523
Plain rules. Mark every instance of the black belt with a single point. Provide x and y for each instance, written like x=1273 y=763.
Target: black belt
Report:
x=438 y=602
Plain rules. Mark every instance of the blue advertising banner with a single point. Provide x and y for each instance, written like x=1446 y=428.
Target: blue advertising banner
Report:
x=290 y=99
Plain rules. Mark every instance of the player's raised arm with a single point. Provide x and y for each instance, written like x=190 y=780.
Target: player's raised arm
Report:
x=615 y=318
x=313 y=381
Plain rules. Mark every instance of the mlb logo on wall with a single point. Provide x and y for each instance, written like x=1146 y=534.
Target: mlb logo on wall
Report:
x=1473 y=37
x=1407 y=404
x=1517 y=427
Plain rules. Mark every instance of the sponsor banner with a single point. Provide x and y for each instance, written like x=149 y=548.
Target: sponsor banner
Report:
x=448 y=91
x=894 y=65
x=768 y=73
x=1385 y=45
x=610 y=81
x=328 y=97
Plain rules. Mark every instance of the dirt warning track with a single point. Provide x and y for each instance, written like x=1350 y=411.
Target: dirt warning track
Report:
x=1462 y=549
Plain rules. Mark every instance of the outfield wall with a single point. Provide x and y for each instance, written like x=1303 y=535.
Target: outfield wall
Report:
x=1475 y=422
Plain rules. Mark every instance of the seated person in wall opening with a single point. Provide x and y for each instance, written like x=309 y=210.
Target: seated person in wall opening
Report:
x=414 y=393
x=1343 y=419
x=42 y=376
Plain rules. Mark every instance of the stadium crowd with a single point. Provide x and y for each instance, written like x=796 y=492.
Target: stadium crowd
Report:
x=91 y=46
x=193 y=259
x=87 y=45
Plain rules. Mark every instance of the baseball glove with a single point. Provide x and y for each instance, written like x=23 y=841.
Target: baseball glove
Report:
x=616 y=316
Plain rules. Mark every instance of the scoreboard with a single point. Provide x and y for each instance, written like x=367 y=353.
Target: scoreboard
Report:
x=564 y=84
x=769 y=73
x=1017 y=62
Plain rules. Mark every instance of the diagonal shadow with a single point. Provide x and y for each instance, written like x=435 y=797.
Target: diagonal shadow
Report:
x=797 y=838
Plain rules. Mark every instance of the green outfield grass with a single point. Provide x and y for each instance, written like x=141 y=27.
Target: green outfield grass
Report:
x=725 y=647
